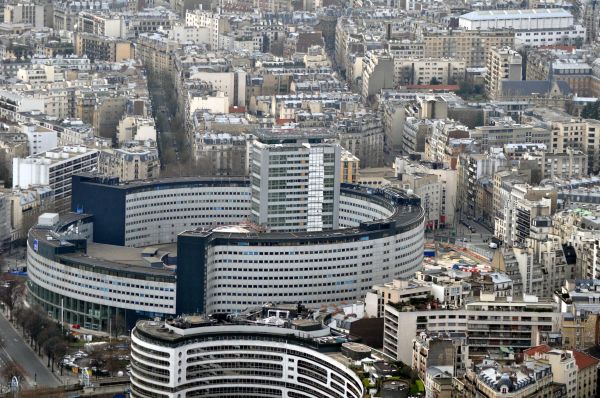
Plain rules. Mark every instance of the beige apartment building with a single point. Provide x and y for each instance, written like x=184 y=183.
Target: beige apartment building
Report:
x=578 y=134
x=502 y=64
x=422 y=71
x=102 y=48
x=470 y=46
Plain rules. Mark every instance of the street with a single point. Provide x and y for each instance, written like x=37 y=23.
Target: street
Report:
x=14 y=348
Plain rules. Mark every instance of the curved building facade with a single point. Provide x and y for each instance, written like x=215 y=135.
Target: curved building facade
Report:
x=97 y=286
x=170 y=361
x=190 y=241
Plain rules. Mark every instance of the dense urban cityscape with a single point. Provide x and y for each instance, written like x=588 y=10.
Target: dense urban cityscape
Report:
x=300 y=198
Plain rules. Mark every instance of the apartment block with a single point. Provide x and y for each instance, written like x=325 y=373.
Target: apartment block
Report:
x=472 y=46
x=54 y=168
x=503 y=64
x=490 y=323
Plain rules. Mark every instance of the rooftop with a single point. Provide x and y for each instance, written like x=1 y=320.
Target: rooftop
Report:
x=284 y=319
x=492 y=15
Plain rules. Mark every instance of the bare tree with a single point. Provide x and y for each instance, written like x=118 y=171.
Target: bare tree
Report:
x=51 y=349
x=10 y=370
x=11 y=292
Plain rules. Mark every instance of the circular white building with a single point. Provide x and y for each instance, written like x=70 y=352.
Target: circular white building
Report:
x=184 y=245
x=194 y=357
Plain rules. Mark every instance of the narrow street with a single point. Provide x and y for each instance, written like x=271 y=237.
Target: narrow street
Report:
x=13 y=348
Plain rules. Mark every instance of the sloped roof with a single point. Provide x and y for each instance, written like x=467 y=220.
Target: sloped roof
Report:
x=540 y=349
x=584 y=360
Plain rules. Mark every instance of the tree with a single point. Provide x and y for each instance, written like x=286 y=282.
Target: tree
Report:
x=50 y=349
x=12 y=369
x=118 y=325
x=11 y=292
x=34 y=325
x=591 y=111
x=46 y=337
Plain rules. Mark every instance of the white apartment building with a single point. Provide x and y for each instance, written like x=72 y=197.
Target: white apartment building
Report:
x=100 y=24
x=232 y=84
x=217 y=103
x=205 y=19
x=446 y=287
x=560 y=165
x=190 y=34
x=520 y=205
x=12 y=102
x=24 y=13
x=504 y=131
x=393 y=292
x=578 y=134
x=436 y=185
x=489 y=322
x=37 y=74
x=40 y=139
x=137 y=128
x=442 y=131
x=414 y=132
x=55 y=168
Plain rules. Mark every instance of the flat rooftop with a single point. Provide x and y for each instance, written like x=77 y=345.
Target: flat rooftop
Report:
x=537 y=13
x=127 y=255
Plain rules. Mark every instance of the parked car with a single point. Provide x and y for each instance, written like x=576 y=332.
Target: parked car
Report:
x=76 y=326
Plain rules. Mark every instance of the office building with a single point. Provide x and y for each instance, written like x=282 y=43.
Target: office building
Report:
x=295 y=181
x=425 y=71
x=211 y=217
x=78 y=281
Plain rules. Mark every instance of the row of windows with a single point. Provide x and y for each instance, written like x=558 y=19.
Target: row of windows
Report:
x=291 y=253
x=270 y=287
x=260 y=352
x=53 y=278
x=229 y=192
x=285 y=294
x=262 y=278
x=285 y=261
x=183 y=202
